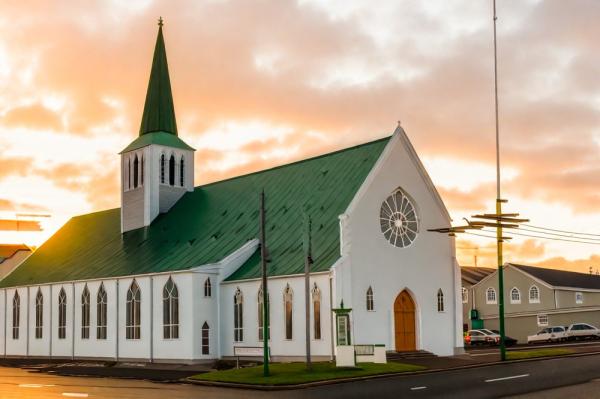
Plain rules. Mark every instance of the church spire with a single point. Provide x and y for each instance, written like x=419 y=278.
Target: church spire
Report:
x=159 y=113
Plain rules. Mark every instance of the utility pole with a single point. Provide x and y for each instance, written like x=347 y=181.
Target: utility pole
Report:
x=265 y=309
x=307 y=263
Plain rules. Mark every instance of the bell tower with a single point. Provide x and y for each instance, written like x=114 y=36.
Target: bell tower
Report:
x=157 y=168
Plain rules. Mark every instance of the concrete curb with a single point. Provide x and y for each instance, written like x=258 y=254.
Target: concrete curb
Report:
x=371 y=377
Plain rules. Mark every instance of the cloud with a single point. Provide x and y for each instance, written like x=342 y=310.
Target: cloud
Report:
x=575 y=265
x=14 y=165
x=8 y=205
x=33 y=116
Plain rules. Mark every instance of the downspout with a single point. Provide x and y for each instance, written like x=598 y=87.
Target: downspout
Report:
x=27 y=325
x=151 y=319
x=331 y=315
x=117 y=323
x=50 y=321
x=5 y=321
x=73 y=324
x=218 y=297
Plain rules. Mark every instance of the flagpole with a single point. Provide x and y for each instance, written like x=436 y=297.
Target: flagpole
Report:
x=307 y=263
x=265 y=308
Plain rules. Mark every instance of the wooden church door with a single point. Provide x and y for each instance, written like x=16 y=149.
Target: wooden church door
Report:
x=404 y=322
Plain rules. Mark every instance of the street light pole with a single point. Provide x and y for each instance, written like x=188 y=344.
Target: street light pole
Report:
x=499 y=202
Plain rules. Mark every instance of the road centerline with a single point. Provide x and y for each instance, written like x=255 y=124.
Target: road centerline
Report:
x=418 y=388
x=512 y=377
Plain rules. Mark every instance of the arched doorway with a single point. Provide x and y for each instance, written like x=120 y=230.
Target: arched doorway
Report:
x=404 y=322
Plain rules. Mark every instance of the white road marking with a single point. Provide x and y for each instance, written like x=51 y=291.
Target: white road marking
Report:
x=75 y=395
x=35 y=385
x=417 y=388
x=508 y=378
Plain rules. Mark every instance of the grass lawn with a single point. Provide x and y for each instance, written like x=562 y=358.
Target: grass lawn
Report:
x=514 y=355
x=295 y=373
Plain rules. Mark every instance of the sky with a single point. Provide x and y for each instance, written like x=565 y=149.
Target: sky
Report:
x=266 y=82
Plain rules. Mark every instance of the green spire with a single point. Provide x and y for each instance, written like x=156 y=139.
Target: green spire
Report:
x=159 y=113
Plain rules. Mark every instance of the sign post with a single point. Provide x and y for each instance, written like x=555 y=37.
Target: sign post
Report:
x=265 y=309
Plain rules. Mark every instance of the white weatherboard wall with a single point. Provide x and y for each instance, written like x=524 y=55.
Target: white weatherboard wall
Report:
x=421 y=268
x=205 y=309
x=62 y=347
x=39 y=346
x=16 y=347
x=135 y=348
x=280 y=346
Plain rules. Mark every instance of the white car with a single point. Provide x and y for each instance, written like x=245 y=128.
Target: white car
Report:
x=582 y=331
x=548 y=334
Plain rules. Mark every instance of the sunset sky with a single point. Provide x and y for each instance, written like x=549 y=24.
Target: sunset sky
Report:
x=263 y=83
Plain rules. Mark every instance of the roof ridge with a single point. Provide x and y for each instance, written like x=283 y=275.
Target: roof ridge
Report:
x=554 y=270
x=296 y=162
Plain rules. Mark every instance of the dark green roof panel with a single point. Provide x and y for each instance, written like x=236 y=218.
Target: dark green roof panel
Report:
x=160 y=138
x=211 y=222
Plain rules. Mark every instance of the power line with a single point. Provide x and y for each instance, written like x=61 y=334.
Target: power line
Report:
x=551 y=238
x=559 y=235
x=561 y=231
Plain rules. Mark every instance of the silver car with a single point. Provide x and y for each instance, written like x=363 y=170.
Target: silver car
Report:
x=548 y=334
x=582 y=331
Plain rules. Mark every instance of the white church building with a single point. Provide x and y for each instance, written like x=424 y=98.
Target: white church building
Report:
x=174 y=274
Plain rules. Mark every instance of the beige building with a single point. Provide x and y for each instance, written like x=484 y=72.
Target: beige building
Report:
x=471 y=275
x=11 y=256
x=535 y=297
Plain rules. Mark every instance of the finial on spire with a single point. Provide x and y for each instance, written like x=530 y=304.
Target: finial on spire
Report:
x=160 y=21
x=399 y=123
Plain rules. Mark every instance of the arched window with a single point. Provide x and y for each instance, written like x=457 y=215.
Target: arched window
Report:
x=370 y=303
x=440 y=300
x=288 y=298
x=534 y=294
x=238 y=316
x=101 y=312
x=181 y=172
x=515 y=295
x=316 y=300
x=172 y=170
x=62 y=314
x=85 y=313
x=205 y=339
x=132 y=312
x=261 y=319
x=207 y=288
x=465 y=295
x=170 y=310
x=142 y=172
x=490 y=296
x=39 y=314
x=16 y=315
x=136 y=171
x=128 y=186
x=162 y=168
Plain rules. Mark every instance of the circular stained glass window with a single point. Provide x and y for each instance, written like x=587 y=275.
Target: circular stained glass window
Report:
x=398 y=219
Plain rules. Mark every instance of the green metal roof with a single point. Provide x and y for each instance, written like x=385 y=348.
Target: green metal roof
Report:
x=162 y=138
x=159 y=112
x=211 y=222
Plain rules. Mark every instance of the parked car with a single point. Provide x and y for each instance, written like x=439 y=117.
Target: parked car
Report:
x=548 y=334
x=508 y=341
x=481 y=337
x=582 y=331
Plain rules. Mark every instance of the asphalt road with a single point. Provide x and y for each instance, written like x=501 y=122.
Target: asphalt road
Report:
x=483 y=382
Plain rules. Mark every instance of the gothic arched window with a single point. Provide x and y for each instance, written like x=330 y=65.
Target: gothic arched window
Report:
x=172 y=170
x=440 y=300
x=238 y=316
x=85 y=313
x=133 y=308
x=370 y=302
x=261 y=318
x=515 y=295
x=136 y=171
x=101 y=312
x=181 y=172
x=205 y=339
x=16 y=315
x=288 y=298
x=207 y=288
x=316 y=300
x=39 y=314
x=62 y=314
x=170 y=310
x=162 y=168
x=534 y=294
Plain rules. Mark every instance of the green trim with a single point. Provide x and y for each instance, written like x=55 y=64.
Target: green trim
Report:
x=160 y=138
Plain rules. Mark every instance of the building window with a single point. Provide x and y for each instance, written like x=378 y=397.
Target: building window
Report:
x=370 y=303
x=16 y=315
x=181 y=172
x=578 y=298
x=465 y=295
x=316 y=300
x=490 y=296
x=136 y=171
x=261 y=314
x=133 y=308
x=440 y=300
x=101 y=310
x=85 y=313
x=142 y=172
x=542 y=320
x=172 y=170
x=207 y=288
x=162 y=168
x=238 y=316
x=170 y=310
x=534 y=294
x=515 y=295
x=288 y=298
x=62 y=314
x=205 y=339
x=128 y=173
x=39 y=314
